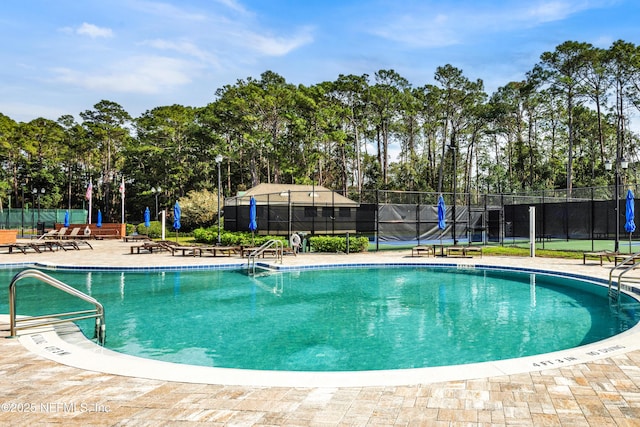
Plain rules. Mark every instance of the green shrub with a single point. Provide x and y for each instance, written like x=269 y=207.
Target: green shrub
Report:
x=318 y=243
x=338 y=244
x=199 y=209
x=130 y=229
x=154 y=231
x=205 y=235
x=210 y=236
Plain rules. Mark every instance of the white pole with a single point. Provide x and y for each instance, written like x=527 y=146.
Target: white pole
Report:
x=163 y=221
x=532 y=231
x=90 y=193
x=122 y=194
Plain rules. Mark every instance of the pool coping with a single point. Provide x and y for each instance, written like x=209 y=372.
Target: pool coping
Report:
x=67 y=345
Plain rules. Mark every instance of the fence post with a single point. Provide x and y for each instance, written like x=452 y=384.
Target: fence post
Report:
x=347 y=243
x=377 y=225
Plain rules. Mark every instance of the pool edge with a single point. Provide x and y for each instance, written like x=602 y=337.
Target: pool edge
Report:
x=73 y=349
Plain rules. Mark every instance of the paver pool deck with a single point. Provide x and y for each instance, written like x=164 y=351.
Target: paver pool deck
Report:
x=601 y=391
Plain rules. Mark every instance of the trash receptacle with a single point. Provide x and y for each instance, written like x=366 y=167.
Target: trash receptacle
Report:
x=40 y=228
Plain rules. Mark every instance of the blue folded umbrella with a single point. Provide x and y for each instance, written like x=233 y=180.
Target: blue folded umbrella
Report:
x=630 y=226
x=253 y=223
x=441 y=213
x=177 y=212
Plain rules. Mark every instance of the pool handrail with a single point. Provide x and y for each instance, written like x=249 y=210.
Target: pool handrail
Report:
x=54 y=319
x=626 y=265
x=251 y=260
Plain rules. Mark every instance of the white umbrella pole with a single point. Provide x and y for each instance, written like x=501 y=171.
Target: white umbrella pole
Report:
x=163 y=223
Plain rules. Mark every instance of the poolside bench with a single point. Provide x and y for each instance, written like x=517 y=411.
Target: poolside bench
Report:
x=598 y=254
x=455 y=251
x=421 y=250
x=470 y=250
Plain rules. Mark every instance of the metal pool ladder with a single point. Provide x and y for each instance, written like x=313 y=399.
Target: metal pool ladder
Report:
x=626 y=265
x=251 y=260
x=57 y=318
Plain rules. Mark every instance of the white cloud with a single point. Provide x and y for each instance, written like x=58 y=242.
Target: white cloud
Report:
x=421 y=31
x=276 y=46
x=143 y=74
x=94 y=31
x=226 y=33
x=438 y=26
x=183 y=47
x=233 y=5
x=167 y=10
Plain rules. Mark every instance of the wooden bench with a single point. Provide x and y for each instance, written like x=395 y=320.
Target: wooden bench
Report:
x=421 y=250
x=455 y=251
x=470 y=250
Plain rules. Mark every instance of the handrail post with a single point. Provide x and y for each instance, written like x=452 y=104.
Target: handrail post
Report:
x=12 y=310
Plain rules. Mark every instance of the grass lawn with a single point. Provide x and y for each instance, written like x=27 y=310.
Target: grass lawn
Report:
x=513 y=250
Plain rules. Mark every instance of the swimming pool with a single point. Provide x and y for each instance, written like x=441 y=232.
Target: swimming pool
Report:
x=350 y=319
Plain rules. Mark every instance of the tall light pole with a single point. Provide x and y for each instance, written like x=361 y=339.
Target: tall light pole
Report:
x=455 y=192
x=33 y=211
x=156 y=191
x=37 y=193
x=218 y=161
x=620 y=163
x=22 y=229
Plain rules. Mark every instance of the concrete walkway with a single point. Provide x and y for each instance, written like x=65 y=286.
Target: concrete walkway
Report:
x=602 y=391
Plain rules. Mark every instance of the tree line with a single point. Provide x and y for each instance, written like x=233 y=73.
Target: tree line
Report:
x=554 y=129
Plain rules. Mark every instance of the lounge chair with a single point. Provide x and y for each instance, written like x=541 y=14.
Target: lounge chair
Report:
x=184 y=250
x=627 y=259
x=598 y=254
x=22 y=247
x=52 y=234
x=62 y=233
x=271 y=251
x=136 y=238
x=151 y=247
x=222 y=250
x=71 y=244
x=73 y=234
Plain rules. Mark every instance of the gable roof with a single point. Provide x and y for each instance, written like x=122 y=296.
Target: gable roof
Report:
x=296 y=194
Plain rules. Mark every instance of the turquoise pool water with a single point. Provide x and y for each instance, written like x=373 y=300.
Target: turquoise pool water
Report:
x=337 y=319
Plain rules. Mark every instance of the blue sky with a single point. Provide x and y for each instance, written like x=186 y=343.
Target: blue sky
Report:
x=64 y=56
